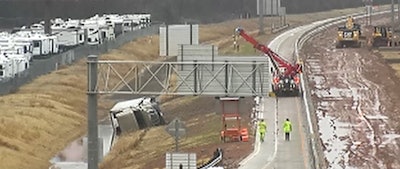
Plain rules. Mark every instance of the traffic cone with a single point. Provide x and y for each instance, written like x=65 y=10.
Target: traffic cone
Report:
x=244 y=134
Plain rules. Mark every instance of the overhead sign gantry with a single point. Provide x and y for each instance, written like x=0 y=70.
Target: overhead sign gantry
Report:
x=218 y=78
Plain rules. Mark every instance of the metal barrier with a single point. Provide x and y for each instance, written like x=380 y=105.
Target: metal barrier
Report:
x=214 y=161
x=316 y=161
x=313 y=144
x=53 y=62
x=312 y=141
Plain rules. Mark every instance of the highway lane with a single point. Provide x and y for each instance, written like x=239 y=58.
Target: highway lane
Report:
x=293 y=154
x=275 y=152
x=264 y=153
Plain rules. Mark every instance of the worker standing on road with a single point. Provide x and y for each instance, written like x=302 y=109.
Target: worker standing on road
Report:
x=287 y=128
x=262 y=128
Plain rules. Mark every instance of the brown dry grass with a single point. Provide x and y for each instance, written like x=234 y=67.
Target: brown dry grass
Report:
x=221 y=34
x=42 y=117
x=171 y=88
x=137 y=152
x=392 y=55
x=396 y=67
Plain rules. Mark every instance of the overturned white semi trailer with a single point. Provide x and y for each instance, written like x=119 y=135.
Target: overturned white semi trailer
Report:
x=131 y=115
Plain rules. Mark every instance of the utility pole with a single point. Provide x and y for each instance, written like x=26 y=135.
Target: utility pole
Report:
x=47 y=16
x=261 y=16
x=392 y=7
x=176 y=137
x=370 y=12
x=93 y=138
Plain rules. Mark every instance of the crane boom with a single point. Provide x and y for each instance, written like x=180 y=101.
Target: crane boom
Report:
x=290 y=70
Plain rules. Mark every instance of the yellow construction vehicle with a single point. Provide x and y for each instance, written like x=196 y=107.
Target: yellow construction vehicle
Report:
x=382 y=36
x=349 y=35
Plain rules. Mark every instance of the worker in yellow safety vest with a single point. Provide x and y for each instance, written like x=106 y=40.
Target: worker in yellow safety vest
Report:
x=287 y=128
x=262 y=128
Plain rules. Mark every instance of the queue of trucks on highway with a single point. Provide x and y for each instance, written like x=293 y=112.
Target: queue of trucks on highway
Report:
x=19 y=47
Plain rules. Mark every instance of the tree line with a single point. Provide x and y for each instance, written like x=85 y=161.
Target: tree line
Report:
x=20 y=12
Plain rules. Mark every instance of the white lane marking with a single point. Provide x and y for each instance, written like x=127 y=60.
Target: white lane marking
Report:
x=254 y=153
x=276 y=137
x=258 y=144
x=310 y=126
x=261 y=115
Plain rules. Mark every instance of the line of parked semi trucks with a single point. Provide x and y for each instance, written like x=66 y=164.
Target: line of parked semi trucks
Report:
x=20 y=46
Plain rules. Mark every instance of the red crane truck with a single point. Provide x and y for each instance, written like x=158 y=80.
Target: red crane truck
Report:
x=286 y=76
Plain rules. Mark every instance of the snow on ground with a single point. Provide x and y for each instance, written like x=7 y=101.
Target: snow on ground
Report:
x=333 y=134
x=353 y=130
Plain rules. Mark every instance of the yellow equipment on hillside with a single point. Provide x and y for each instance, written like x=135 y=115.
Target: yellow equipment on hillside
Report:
x=349 y=35
x=382 y=36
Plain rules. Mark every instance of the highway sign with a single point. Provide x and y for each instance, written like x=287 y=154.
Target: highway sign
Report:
x=180 y=161
x=176 y=128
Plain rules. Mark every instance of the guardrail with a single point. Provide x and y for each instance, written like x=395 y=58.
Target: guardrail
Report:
x=312 y=140
x=214 y=161
x=316 y=161
x=278 y=29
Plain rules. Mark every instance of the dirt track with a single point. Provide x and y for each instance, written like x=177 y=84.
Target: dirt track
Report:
x=354 y=93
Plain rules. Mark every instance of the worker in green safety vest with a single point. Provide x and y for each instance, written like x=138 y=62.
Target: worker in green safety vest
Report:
x=287 y=128
x=262 y=128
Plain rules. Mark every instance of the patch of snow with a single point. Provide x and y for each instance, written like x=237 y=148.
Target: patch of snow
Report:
x=357 y=106
x=323 y=106
x=356 y=98
x=336 y=93
x=390 y=139
x=377 y=102
x=319 y=80
x=376 y=117
x=354 y=145
x=341 y=80
x=334 y=135
x=316 y=71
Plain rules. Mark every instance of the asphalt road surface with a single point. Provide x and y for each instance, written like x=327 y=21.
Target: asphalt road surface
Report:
x=275 y=152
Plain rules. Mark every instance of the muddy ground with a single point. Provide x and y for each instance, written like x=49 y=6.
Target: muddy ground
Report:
x=355 y=93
